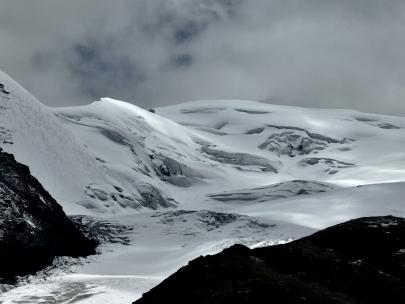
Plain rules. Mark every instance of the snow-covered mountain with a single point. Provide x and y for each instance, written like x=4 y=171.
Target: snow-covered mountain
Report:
x=114 y=157
x=194 y=178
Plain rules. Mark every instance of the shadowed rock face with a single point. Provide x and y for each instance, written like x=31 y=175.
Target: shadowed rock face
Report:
x=360 y=261
x=33 y=227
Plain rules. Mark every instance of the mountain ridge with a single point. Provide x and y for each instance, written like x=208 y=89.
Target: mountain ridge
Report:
x=360 y=261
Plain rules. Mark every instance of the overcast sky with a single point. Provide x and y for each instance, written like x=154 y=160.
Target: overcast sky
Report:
x=318 y=53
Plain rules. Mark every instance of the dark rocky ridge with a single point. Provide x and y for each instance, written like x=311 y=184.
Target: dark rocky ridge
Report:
x=33 y=227
x=360 y=261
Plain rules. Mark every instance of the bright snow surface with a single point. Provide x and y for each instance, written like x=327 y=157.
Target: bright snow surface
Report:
x=194 y=178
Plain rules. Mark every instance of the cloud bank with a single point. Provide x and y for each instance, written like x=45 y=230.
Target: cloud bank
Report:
x=313 y=53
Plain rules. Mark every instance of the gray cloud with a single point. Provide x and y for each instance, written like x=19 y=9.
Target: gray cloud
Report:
x=319 y=53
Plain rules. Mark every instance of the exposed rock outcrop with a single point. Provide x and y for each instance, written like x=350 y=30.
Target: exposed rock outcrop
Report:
x=3 y=90
x=33 y=227
x=360 y=261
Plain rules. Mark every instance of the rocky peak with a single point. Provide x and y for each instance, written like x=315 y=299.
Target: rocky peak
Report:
x=33 y=227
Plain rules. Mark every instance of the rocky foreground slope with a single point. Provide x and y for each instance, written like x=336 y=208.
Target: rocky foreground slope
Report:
x=360 y=261
x=33 y=227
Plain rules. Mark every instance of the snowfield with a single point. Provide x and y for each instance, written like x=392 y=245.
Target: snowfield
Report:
x=165 y=186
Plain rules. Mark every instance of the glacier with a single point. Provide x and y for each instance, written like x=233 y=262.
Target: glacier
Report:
x=193 y=179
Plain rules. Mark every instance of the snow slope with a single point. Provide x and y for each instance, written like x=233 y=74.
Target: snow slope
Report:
x=72 y=172
x=344 y=147
x=192 y=179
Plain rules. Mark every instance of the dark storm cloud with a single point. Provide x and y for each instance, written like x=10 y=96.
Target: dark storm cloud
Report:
x=321 y=53
x=104 y=73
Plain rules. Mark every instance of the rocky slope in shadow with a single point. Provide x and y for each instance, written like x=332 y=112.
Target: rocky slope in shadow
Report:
x=33 y=227
x=360 y=261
